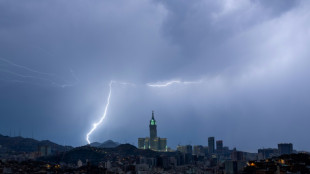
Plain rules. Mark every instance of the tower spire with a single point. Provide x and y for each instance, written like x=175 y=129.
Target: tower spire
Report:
x=153 y=115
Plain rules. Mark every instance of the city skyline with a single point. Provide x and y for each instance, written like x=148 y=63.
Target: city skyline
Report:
x=213 y=145
x=233 y=70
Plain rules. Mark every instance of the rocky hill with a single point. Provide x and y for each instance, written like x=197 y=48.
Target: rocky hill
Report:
x=97 y=154
x=17 y=145
x=106 y=144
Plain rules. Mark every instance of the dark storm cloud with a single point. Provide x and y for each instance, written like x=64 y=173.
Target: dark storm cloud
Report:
x=202 y=28
x=249 y=59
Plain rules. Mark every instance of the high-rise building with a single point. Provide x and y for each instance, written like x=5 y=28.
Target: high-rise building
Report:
x=153 y=142
x=236 y=155
x=44 y=150
x=188 y=149
x=266 y=153
x=219 y=146
x=153 y=127
x=153 y=133
x=141 y=143
x=285 y=148
x=198 y=150
x=211 y=144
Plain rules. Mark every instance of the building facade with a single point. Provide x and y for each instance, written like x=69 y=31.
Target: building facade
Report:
x=153 y=142
x=211 y=144
x=266 y=153
x=199 y=150
x=285 y=148
x=219 y=146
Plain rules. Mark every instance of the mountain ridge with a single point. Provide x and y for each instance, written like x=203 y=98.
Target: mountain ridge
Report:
x=17 y=145
x=106 y=144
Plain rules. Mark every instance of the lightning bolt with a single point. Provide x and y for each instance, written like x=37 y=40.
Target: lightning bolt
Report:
x=43 y=76
x=157 y=84
x=103 y=116
x=33 y=77
x=169 y=83
x=95 y=125
x=24 y=67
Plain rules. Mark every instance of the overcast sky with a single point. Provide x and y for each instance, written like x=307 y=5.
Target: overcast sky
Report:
x=243 y=68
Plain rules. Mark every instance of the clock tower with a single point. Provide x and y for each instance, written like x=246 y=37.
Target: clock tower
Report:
x=153 y=127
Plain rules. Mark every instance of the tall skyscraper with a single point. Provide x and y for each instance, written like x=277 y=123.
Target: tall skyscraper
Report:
x=266 y=153
x=153 y=133
x=211 y=144
x=285 y=148
x=153 y=127
x=198 y=150
x=153 y=142
x=188 y=149
x=219 y=146
x=237 y=155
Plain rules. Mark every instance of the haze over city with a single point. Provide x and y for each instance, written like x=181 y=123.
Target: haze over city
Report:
x=235 y=70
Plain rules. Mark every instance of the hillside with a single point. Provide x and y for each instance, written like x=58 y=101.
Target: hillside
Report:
x=106 y=144
x=16 y=145
x=97 y=154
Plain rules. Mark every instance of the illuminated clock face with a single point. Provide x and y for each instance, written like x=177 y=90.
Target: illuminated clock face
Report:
x=152 y=122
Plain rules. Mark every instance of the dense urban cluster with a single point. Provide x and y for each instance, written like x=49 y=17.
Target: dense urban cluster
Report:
x=292 y=163
x=128 y=159
x=22 y=155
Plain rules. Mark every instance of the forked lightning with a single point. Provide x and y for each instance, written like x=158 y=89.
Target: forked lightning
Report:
x=158 y=84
